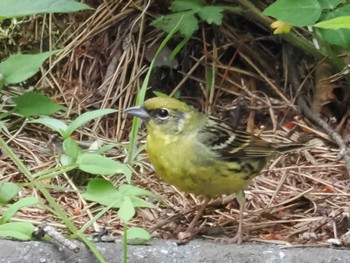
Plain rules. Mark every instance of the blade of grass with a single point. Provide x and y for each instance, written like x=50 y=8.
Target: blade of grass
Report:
x=136 y=122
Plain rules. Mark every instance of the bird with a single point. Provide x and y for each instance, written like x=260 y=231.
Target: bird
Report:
x=203 y=155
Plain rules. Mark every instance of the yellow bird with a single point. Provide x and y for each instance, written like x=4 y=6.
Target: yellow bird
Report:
x=202 y=155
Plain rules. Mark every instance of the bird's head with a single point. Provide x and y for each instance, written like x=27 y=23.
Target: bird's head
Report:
x=167 y=115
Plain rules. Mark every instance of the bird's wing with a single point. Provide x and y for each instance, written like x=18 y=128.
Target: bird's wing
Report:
x=228 y=144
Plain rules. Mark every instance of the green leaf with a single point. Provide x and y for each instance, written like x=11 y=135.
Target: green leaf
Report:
x=137 y=236
x=13 y=209
x=187 y=26
x=34 y=103
x=97 y=164
x=211 y=14
x=8 y=191
x=86 y=117
x=295 y=12
x=11 y=8
x=339 y=37
x=54 y=124
x=126 y=210
x=185 y=11
x=17 y=230
x=71 y=148
x=103 y=192
x=335 y=23
x=20 y=67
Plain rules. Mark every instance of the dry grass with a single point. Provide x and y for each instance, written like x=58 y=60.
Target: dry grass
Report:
x=299 y=198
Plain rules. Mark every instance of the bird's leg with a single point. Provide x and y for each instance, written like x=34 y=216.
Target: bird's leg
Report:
x=238 y=238
x=191 y=231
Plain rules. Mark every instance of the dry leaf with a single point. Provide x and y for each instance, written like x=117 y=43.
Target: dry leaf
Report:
x=323 y=91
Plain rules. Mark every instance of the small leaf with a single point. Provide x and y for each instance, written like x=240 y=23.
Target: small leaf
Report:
x=20 y=67
x=13 y=209
x=86 y=117
x=187 y=26
x=126 y=210
x=103 y=192
x=71 y=148
x=10 y=8
x=211 y=14
x=34 y=103
x=54 y=124
x=8 y=191
x=97 y=164
x=17 y=230
x=137 y=236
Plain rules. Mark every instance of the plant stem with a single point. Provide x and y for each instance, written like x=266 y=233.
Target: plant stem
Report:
x=125 y=243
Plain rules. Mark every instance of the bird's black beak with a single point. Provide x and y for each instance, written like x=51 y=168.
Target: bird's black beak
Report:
x=137 y=111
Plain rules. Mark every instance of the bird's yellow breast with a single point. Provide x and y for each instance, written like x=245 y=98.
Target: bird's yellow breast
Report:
x=189 y=166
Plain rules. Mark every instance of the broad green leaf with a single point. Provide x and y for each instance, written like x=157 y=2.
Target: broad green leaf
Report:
x=86 y=117
x=17 y=230
x=52 y=123
x=71 y=148
x=20 y=67
x=335 y=23
x=126 y=210
x=12 y=210
x=339 y=37
x=295 y=12
x=97 y=164
x=11 y=8
x=103 y=192
x=137 y=236
x=8 y=191
x=34 y=103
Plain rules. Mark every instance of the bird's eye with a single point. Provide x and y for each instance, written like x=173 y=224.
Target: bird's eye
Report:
x=163 y=114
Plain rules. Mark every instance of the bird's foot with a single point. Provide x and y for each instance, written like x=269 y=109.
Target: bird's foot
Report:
x=237 y=239
x=186 y=236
